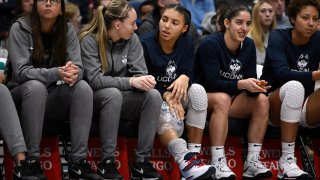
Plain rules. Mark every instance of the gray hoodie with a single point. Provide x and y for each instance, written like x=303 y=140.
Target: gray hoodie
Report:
x=20 y=47
x=124 y=58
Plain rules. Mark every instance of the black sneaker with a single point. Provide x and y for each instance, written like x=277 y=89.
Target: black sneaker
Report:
x=35 y=167
x=107 y=169
x=82 y=170
x=23 y=172
x=144 y=170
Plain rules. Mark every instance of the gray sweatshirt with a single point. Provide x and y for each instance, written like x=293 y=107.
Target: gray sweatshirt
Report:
x=20 y=47
x=125 y=59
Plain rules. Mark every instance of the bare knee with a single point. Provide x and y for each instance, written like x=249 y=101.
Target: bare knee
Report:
x=261 y=104
x=219 y=102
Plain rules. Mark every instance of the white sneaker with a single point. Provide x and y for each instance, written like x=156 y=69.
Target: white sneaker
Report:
x=289 y=169
x=191 y=167
x=222 y=169
x=255 y=169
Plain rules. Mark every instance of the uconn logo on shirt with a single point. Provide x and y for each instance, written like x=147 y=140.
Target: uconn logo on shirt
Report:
x=124 y=59
x=234 y=66
x=303 y=62
x=170 y=72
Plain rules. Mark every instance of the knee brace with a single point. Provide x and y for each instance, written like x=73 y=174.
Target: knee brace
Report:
x=168 y=121
x=198 y=97
x=292 y=97
x=197 y=107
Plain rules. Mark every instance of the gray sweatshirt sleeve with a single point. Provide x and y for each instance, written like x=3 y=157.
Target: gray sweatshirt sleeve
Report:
x=136 y=62
x=18 y=44
x=92 y=67
x=73 y=50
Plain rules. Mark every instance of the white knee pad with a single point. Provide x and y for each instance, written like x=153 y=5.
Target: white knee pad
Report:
x=198 y=97
x=292 y=97
x=197 y=107
x=168 y=121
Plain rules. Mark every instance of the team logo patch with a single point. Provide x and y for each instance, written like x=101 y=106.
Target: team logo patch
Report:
x=235 y=66
x=124 y=59
x=302 y=63
x=170 y=73
x=171 y=69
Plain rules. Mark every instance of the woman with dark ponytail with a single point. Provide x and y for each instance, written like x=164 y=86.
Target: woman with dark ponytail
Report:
x=228 y=70
x=169 y=55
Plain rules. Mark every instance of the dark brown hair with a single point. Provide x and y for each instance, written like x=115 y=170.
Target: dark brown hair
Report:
x=59 y=34
x=295 y=7
x=230 y=13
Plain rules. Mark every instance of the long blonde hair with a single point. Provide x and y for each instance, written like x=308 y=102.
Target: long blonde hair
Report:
x=101 y=21
x=256 y=31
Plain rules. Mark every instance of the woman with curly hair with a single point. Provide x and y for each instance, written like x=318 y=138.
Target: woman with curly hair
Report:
x=291 y=68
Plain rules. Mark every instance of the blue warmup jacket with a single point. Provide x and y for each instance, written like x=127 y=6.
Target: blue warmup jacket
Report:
x=220 y=70
x=166 y=68
x=286 y=61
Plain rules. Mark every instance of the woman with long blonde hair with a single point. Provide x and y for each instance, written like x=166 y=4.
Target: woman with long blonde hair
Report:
x=263 y=22
x=116 y=71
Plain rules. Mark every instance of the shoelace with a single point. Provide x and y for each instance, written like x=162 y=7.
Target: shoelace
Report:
x=292 y=163
x=198 y=156
x=290 y=160
x=257 y=162
x=195 y=160
x=222 y=165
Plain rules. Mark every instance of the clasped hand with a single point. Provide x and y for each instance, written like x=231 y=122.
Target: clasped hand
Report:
x=69 y=73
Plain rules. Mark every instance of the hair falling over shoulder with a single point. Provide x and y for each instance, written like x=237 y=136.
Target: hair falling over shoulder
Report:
x=102 y=20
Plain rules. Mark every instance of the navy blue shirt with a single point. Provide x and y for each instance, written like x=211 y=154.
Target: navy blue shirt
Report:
x=166 y=68
x=220 y=70
x=286 y=61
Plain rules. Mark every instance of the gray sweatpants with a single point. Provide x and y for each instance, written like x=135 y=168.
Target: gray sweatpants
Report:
x=36 y=103
x=111 y=105
x=10 y=127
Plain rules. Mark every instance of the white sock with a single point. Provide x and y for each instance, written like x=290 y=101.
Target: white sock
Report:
x=253 y=150
x=178 y=149
x=287 y=149
x=216 y=152
x=192 y=147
